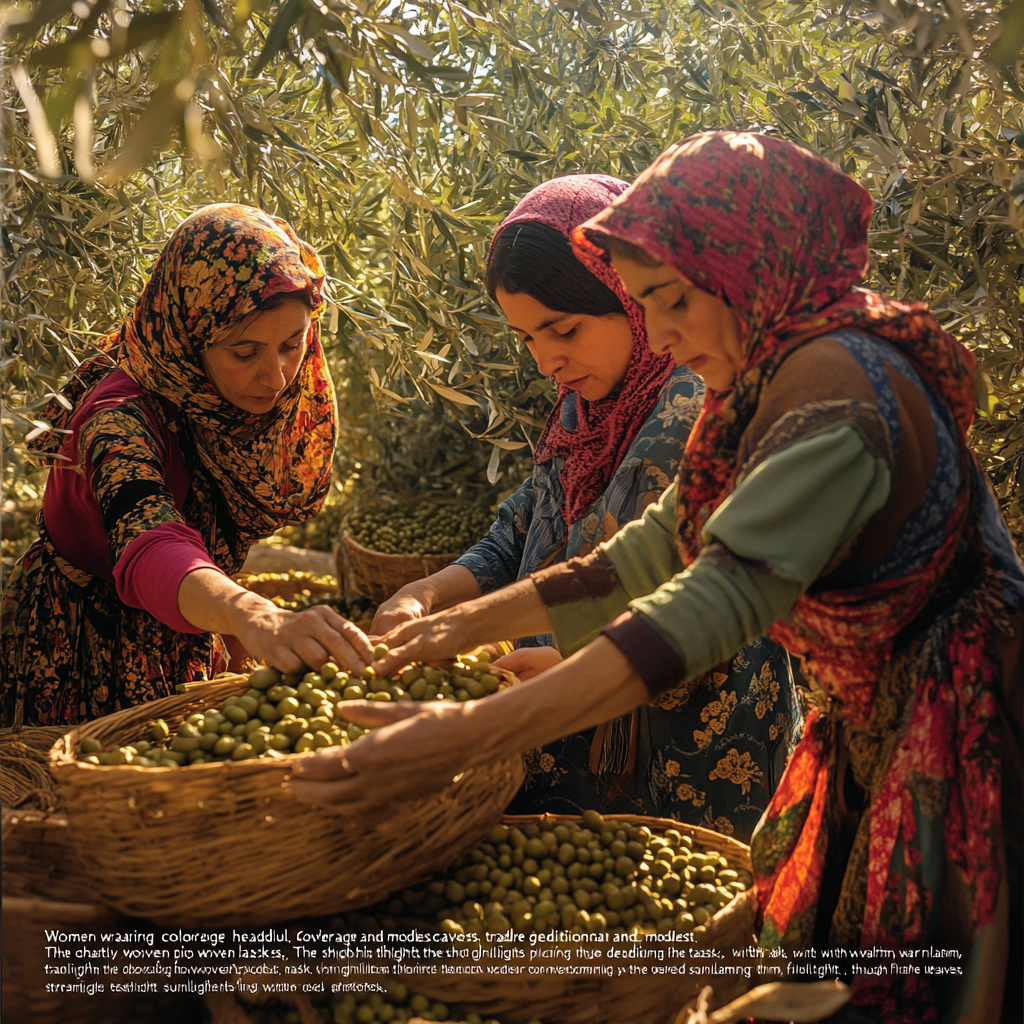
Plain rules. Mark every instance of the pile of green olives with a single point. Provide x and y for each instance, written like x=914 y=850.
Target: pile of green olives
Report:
x=596 y=876
x=421 y=529
x=292 y=714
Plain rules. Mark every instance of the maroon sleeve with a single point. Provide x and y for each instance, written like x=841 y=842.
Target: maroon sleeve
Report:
x=652 y=657
x=149 y=572
x=578 y=579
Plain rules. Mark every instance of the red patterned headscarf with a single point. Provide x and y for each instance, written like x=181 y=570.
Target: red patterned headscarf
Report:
x=252 y=473
x=604 y=429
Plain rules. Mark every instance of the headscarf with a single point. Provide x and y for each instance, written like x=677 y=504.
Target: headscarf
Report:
x=780 y=235
x=606 y=428
x=251 y=472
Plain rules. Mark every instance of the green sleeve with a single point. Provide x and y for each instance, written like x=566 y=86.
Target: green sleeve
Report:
x=765 y=545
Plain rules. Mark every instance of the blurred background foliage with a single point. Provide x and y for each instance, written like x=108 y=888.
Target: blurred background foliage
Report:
x=395 y=137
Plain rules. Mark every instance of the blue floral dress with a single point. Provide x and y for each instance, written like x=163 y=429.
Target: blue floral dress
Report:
x=713 y=759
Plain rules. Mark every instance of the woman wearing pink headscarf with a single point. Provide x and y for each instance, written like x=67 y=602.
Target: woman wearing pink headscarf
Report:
x=711 y=754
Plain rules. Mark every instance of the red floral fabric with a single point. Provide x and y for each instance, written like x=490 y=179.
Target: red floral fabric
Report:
x=604 y=429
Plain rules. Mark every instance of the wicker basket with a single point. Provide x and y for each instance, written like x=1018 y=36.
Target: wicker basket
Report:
x=24 y=780
x=40 y=858
x=643 y=999
x=378 y=576
x=223 y=844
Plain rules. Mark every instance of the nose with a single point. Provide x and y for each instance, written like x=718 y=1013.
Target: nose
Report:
x=662 y=334
x=275 y=376
x=549 y=359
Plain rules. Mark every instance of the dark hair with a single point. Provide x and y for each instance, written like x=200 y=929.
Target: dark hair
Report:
x=536 y=259
x=278 y=299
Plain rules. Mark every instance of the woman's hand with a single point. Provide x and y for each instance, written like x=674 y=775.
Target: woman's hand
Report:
x=430 y=741
x=452 y=585
x=504 y=614
x=402 y=607
x=431 y=638
x=422 y=747
x=528 y=662
x=288 y=641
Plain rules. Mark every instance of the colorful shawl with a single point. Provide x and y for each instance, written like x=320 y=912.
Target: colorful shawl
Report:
x=781 y=236
x=604 y=429
x=251 y=473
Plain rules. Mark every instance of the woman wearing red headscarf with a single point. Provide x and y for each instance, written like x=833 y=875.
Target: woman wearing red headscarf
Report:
x=207 y=423
x=828 y=495
x=609 y=449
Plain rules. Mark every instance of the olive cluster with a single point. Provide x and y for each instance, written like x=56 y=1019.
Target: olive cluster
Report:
x=596 y=877
x=282 y=714
x=421 y=529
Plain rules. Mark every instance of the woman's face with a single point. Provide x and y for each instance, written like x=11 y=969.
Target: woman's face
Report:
x=589 y=354
x=260 y=357
x=696 y=327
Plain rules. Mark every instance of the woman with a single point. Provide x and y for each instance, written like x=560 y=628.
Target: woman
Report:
x=207 y=423
x=828 y=494
x=609 y=449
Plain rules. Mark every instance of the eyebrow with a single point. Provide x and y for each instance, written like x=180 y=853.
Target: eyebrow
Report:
x=253 y=341
x=549 y=323
x=655 y=287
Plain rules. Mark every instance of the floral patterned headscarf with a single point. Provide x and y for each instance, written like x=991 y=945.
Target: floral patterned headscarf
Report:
x=251 y=473
x=606 y=428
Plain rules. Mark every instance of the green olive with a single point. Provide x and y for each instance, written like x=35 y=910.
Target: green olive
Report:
x=236 y=714
x=243 y=752
x=264 y=678
x=224 y=745
x=91 y=746
x=328 y=671
x=281 y=741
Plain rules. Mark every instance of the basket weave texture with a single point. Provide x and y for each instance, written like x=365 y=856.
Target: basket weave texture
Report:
x=377 y=575
x=636 y=999
x=24 y=780
x=224 y=845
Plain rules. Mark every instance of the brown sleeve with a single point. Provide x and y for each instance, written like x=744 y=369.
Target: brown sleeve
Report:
x=651 y=656
x=578 y=579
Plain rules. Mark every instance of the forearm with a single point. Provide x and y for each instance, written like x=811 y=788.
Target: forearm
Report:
x=453 y=585
x=211 y=601
x=595 y=685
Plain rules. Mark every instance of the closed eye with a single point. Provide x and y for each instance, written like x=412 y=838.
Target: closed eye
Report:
x=568 y=334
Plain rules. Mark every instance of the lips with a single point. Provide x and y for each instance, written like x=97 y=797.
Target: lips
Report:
x=574 y=384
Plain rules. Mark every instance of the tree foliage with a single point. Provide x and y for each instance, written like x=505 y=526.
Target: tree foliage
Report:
x=396 y=136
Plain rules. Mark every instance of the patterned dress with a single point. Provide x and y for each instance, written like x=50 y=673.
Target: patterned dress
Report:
x=713 y=758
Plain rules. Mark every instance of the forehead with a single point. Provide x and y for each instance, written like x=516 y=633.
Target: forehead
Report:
x=523 y=310
x=638 y=278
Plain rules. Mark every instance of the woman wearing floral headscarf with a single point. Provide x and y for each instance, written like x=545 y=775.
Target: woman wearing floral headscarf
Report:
x=207 y=423
x=610 y=447
x=828 y=495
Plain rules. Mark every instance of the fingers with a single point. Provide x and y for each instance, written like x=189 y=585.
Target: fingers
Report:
x=388 y=619
x=331 y=764
x=370 y=712
x=354 y=636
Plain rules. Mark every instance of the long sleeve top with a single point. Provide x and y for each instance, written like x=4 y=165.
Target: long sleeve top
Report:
x=114 y=505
